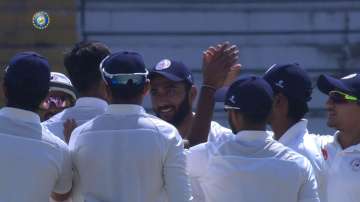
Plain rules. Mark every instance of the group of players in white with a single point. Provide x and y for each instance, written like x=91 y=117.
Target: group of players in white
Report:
x=88 y=137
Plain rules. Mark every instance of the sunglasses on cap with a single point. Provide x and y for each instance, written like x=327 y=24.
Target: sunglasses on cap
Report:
x=122 y=78
x=227 y=108
x=57 y=102
x=339 y=97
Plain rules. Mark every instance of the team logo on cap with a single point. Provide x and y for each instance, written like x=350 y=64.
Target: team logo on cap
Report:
x=163 y=64
x=41 y=20
x=232 y=99
x=355 y=164
x=349 y=76
x=280 y=83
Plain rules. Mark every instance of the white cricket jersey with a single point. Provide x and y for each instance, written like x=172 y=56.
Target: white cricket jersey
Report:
x=34 y=162
x=298 y=138
x=251 y=166
x=343 y=170
x=129 y=155
x=84 y=109
x=217 y=132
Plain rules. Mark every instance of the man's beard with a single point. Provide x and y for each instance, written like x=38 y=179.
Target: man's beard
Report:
x=181 y=113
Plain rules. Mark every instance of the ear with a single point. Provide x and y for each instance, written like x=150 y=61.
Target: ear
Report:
x=4 y=93
x=193 y=94
x=107 y=92
x=146 y=87
x=281 y=103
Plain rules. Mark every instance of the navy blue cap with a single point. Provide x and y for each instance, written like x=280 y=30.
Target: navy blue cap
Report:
x=123 y=67
x=349 y=84
x=251 y=94
x=172 y=70
x=28 y=71
x=291 y=80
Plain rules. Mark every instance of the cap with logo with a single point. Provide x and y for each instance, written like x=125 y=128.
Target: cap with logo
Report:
x=250 y=94
x=28 y=71
x=349 y=84
x=124 y=68
x=291 y=80
x=60 y=82
x=172 y=70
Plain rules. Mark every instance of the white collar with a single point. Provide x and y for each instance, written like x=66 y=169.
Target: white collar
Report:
x=298 y=130
x=20 y=115
x=252 y=135
x=353 y=148
x=91 y=102
x=125 y=109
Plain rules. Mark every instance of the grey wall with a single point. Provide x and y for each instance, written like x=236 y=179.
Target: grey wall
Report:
x=324 y=37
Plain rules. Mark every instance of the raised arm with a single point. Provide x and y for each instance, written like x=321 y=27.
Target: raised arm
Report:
x=219 y=65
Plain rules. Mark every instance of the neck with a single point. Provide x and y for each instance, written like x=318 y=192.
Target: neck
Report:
x=348 y=138
x=22 y=107
x=280 y=127
x=185 y=126
x=255 y=127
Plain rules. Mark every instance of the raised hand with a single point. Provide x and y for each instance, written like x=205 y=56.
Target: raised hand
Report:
x=217 y=62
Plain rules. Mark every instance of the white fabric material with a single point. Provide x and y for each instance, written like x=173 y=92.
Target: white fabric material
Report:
x=251 y=166
x=298 y=138
x=85 y=109
x=343 y=170
x=218 y=132
x=35 y=163
x=129 y=155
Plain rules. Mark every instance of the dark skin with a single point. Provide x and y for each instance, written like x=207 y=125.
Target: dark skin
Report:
x=219 y=68
x=45 y=114
x=279 y=120
x=166 y=98
x=238 y=123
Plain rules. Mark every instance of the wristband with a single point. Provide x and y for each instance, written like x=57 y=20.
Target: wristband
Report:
x=209 y=87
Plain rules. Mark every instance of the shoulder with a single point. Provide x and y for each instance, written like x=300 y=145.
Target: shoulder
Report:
x=162 y=127
x=218 y=132
x=53 y=140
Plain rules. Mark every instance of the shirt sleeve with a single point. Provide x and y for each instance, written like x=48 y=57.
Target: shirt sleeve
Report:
x=309 y=189
x=176 y=179
x=218 y=132
x=64 y=181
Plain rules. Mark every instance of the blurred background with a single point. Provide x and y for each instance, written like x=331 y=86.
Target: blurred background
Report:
x=322 y=36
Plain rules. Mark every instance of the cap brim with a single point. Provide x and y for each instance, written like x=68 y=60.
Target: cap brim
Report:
x=327 y=83
x=220 y=94
x=166 y=75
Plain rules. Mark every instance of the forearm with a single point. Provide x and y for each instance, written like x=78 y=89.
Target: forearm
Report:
x=202 y=121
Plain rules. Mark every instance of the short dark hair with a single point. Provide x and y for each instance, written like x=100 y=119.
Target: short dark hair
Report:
x=257 y=117
x=20 y=96
x=82 y=64
x=297 y=109
x=126 y=92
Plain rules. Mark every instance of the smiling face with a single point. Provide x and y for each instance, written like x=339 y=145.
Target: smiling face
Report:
x=171 y=101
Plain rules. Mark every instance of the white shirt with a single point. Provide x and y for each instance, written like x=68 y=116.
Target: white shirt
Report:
x=84 y=109
x=343 y=171
x=218 y=132
x=298 y=138
x=129 y=155
x=251 y=166
x=34 y=163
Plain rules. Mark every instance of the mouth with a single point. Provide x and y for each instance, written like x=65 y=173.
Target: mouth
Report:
x=166 y=112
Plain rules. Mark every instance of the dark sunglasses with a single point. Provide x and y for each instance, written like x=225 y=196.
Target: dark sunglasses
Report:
x=341 y=98
x=56 y=101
